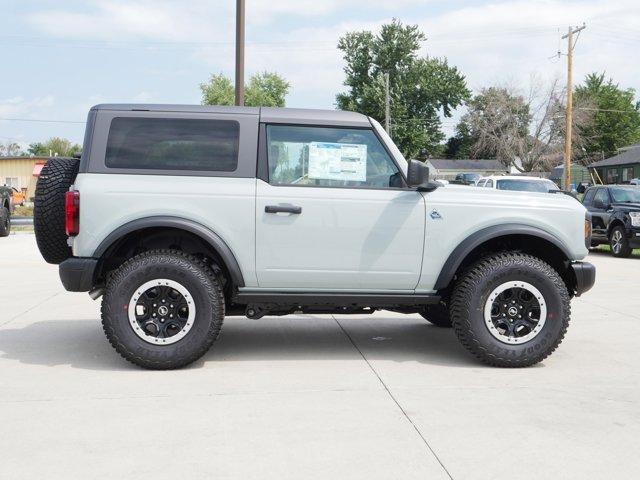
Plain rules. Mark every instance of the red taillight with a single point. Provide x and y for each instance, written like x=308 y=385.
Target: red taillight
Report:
x=72 y=212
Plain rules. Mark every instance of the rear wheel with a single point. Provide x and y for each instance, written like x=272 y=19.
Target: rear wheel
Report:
x=437 y=315
x=173 y=309
x=510 y=310
x=619 y=243
x=5 y=222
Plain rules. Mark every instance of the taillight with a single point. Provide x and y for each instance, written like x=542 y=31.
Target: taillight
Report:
x=72 y=212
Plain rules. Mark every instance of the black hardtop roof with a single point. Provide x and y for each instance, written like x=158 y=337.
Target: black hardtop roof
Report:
x=305 y=116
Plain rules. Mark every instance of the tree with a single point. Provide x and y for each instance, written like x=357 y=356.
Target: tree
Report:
x=10 y=149
x=615 y=115
x=265 y=89
x=55 y=146
x=525 y=131
x=420 y=88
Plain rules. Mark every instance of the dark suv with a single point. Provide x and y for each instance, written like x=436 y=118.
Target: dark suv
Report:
x=615 y=212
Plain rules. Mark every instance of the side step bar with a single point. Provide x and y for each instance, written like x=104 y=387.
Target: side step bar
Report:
x=337 y=299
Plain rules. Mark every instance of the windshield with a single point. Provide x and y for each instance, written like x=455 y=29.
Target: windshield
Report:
x=397 y=154
x=625 y=195
x=526 y=185
x=471 y=177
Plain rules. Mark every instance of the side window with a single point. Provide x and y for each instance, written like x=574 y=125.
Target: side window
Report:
x=329 y=157
x=588 y=197
x=602 y=195
x=173 y=144
x=489 y=184
x=481 y=183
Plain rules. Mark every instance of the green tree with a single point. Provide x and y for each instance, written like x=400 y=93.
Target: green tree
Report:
x=55 y=146
x=264 y=89
x=10 y=149
x=615 y=120
x=420 y=87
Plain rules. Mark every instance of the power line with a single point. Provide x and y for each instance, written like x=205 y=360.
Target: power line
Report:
x=38 y=120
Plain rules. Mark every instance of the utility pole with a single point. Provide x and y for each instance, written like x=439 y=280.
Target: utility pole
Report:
x=240 y=52
x=569 y=114
x=387 y=104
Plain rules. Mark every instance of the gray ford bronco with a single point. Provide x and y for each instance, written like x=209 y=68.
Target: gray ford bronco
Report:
x=181 y=215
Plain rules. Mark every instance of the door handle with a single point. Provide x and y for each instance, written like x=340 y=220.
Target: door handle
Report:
x=283 y=209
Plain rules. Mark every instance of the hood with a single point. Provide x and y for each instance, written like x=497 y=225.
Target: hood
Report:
x=627 y=207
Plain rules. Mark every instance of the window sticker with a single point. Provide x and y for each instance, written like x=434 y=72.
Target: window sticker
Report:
x=338 y=161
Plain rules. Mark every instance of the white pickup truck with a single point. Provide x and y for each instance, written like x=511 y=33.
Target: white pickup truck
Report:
x=180 y=215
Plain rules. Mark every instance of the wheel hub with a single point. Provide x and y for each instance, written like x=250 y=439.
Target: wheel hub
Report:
x=515 y=312
x=161 y=311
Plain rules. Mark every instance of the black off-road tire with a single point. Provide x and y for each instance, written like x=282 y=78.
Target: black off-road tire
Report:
x=204 y=287
x=48 y=215
x=438 y=315
x=624 y=250
x=472 y=291
x=5 y=222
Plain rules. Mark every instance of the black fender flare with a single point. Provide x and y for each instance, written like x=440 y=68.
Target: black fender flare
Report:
x=618 y=218
x=207 y=235
x=478 y=238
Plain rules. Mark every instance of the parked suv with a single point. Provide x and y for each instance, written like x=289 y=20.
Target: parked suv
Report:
x=615 y=216
x=518 y=183
x=182 y=215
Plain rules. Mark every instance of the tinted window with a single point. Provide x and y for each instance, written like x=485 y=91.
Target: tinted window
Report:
x=329 y=157
x=173 y=144
x=588 y=197
x=602 y=196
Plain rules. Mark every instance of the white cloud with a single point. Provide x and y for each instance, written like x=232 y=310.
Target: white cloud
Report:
x=20 y=107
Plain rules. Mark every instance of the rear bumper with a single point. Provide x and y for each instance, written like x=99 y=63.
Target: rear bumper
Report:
x=77 y=274
x=585 y=274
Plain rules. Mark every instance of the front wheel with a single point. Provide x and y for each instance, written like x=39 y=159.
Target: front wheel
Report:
x=163 y=309
x=510 y=310
x=619 y=243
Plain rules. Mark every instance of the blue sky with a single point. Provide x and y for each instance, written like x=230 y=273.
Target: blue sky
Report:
x=59 y=58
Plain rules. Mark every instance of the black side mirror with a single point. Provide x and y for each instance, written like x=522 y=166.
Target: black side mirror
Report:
x=599 y=204
x=418 y=177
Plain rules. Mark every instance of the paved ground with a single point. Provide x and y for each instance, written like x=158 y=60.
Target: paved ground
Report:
x=313 y=397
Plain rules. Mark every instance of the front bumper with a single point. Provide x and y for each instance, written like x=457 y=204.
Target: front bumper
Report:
x=77 y=274
x=585 y=274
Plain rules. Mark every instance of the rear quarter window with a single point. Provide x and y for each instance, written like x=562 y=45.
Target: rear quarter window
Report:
x=173 y=144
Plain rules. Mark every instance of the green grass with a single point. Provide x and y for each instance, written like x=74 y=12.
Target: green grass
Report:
x=23 y=211
x=607 y=249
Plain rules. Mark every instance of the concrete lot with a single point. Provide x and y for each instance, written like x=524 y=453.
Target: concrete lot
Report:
x=374 y=397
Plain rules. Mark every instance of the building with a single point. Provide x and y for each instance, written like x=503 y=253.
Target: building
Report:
x=21 y=173
x=447 y=169
x=620 y=168
x=579 y=175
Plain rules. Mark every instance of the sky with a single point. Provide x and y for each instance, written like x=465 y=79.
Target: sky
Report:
x=60 y=58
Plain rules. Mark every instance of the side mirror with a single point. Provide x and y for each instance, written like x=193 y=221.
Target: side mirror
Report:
x=418 y=177
x=599 y=204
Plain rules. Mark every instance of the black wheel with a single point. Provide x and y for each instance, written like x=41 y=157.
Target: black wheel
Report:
x=173 y=309
x=619 y=243
x=437 y=314
x=48 y=214
x=510 y=310
x=5 y=222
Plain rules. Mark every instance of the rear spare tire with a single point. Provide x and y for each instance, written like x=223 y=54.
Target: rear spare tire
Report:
x=49 y=216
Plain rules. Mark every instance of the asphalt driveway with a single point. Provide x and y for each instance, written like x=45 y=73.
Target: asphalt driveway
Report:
x=313 y=397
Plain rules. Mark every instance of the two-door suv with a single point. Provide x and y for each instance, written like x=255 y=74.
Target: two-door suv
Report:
x=180 y=215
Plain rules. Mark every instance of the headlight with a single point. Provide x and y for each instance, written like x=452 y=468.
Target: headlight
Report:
x=635 y=219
